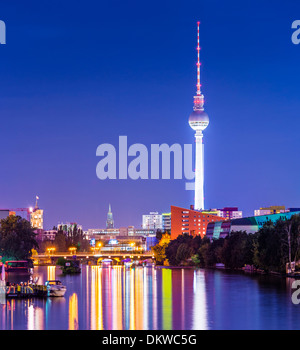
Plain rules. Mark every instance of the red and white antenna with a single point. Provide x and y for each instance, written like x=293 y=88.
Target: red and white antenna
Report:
x=198 y=62
x=199 y=98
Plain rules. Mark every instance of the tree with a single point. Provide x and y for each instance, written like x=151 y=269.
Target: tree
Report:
x=177 y=254
x=272 y=248
x=235 y=250
x=60 y=241
x=17 y=238
x=184 y=252
x=159 y=250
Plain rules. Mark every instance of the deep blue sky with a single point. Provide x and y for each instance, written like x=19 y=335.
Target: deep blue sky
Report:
x=76 y=74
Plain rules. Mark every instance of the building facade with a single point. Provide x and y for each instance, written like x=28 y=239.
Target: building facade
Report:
x=37 y=218
x=46 y=235
x=230 y=213
x=190 y=221
x=129 y=231
x=153 y=221
x=250 y=224
x=166 y=221
x=273 y=209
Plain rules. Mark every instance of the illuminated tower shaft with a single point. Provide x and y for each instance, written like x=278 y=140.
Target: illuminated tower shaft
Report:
x=199 y=171
x=199 y=121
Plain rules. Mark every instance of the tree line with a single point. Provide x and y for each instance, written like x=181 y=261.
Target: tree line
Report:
x=65 y=238
x=18 y=239
x=269 y=249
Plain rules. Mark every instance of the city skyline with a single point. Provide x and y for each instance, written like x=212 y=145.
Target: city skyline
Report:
x=79 y=83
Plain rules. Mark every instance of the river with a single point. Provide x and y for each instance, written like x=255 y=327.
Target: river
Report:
x=148 y=298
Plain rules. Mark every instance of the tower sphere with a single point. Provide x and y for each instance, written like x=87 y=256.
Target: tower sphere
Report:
x=198 y=120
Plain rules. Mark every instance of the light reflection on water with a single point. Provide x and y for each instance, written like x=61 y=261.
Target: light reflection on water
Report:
x=117 y=298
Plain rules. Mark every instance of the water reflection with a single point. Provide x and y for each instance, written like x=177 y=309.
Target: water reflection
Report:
x=117 y=298
x=73 y=312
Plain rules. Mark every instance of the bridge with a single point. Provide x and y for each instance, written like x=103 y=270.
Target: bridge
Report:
x=93 y=257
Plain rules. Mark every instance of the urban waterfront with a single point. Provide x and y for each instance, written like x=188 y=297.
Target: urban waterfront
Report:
x=150 y=298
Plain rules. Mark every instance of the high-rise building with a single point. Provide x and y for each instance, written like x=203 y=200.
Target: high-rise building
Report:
x=110 y=220
x=199 y=121
x=153 y=221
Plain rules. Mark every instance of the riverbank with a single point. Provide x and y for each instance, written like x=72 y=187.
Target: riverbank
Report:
x=245 y=270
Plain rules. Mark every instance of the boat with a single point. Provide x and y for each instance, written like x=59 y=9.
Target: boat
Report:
x=148 y=263
x=127 y=262
x=25 y=290
x=106 y=262
x=55 y=288
x=17 y=266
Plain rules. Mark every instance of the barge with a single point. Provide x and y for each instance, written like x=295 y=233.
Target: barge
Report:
x=24 y=290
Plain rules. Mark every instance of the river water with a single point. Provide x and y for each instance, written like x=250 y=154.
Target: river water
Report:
x=148 y=298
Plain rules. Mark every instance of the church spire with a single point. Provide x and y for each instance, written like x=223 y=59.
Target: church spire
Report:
x=110 y=220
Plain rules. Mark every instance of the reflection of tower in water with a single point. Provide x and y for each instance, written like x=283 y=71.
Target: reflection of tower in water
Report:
x=51 y=273
x=73 y=312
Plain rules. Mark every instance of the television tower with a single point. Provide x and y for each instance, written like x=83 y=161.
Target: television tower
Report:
x=199 y=121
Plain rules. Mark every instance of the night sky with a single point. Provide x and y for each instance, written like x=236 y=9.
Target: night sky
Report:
x=76 y=74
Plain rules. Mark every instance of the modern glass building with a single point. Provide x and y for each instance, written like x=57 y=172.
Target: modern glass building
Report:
x=216 y=230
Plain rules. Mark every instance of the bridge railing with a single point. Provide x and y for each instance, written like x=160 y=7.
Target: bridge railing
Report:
x=95 y=254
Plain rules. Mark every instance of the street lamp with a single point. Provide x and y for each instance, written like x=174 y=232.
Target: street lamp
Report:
x=72 y=250
x=50 y=250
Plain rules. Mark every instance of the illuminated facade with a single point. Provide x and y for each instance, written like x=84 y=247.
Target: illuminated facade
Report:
x=153 y=221
x=273 y=209
x=37 y=218
x=250 y=224
x=191 y=222
x=230 y=213
x=122 y=231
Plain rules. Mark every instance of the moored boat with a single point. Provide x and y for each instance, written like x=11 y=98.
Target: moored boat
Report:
x=55 y=288
x=17 y=266
x=106 y=263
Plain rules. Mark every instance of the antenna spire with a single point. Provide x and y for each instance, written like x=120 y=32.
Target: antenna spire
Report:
x=199 y=98
x=198 y=62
